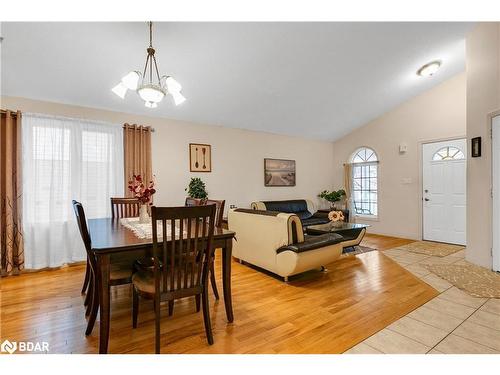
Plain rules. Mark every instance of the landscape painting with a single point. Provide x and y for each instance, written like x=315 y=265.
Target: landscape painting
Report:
x=278 y=172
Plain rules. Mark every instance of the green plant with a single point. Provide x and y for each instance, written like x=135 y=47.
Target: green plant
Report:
x=196 y=188
x=332 y=196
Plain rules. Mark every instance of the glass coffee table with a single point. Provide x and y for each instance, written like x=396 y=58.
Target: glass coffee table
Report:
x=353 y=233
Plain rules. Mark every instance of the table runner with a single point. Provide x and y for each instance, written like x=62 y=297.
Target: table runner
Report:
x=145 y=230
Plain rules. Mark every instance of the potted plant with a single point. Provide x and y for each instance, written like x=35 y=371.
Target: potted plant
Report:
x=144 y=194
x=196 y=188
x=332 y=196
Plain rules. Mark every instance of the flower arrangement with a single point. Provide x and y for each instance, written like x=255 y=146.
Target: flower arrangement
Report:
x=140 y=190
x=336 y=216
x=332 y=196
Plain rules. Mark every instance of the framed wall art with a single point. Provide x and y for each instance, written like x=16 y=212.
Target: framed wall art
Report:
x=200 y=157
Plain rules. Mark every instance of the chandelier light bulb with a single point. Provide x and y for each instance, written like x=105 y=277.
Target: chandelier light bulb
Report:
x=131 y=80
x=120 y=90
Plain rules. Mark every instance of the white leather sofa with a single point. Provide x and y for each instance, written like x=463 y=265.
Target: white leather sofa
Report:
x=275 y=242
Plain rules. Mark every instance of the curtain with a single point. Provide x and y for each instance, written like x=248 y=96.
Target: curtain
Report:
x=65 y=159
x=137 y=153
x=348 y=190
x=11 y=238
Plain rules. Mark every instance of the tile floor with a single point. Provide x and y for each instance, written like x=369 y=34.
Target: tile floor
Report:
x=452 y=323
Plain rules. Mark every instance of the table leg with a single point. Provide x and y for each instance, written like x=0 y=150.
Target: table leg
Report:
x=104 y=304
x=227 y=252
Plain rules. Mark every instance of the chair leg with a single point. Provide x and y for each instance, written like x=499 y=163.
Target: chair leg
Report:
x=90 y=295
x=213 y=282
x=157 y=324
x=170 y=308
x=197 y=299
x=93 y=312
x=86 y=279
x=135 y=307
x=206 y=316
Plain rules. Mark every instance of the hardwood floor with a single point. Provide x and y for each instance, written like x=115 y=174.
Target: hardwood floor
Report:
x=317 y=312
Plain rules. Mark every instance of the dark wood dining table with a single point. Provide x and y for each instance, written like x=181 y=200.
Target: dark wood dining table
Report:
x=114 y=243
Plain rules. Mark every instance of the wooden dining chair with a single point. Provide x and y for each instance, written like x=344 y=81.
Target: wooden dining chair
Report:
x=219 y=213
x=120 y=208
x=124 y=207
x=119 y=274
x=186 y=262
x=193 y=202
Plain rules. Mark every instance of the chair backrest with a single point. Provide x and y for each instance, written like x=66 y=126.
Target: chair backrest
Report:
x=193 y=202
x=186 y=260
x=124 y=207
x=82 y=226
x=219 y=210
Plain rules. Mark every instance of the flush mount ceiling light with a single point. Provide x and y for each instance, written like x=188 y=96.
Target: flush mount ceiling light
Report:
x=429 y=69
x=149 y=85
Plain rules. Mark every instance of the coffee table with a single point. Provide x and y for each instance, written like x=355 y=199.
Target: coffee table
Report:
x=353 y=233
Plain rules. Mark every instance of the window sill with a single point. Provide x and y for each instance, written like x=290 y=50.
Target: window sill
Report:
x=367 y=217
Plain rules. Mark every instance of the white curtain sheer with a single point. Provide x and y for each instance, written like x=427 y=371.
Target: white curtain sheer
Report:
x=65 y=159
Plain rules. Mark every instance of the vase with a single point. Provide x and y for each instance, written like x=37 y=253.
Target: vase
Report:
x=143 y=214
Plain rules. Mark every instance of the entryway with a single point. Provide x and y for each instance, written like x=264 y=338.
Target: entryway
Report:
x=444 y=191
x=495 y=127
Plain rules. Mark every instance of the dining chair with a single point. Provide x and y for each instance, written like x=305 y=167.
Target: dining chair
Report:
x=219 y=213
x=124 y=207
x=186 y=262
x=193 y=202
x=120 y=274
x=120 y=208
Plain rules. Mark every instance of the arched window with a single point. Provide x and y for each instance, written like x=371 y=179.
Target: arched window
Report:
x=365 y=181
x=448 y=153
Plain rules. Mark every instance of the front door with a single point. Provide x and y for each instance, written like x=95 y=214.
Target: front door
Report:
x=444 y=191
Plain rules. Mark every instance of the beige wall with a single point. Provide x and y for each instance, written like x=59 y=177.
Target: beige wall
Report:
x=237 y=156
x=483 y=98
x=434 y=115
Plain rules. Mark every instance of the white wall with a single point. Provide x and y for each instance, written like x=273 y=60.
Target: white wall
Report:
x=237 y=156
x=434 y=115
x=483 y=98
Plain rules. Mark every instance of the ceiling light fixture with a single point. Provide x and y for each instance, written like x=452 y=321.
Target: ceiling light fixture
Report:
x=149 y=85
x=429 y=69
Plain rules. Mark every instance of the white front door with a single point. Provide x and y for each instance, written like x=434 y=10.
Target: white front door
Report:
x=444 y=191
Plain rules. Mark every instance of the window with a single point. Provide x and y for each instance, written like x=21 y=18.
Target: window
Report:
x=448 y=153
x=66 y=159
x=365 y=181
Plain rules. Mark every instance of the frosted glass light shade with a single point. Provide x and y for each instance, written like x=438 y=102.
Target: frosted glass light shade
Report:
x=131 y=80
x=172 y=85
x=429 y=69
x=178 y=97
x=151 y=93
x=120 y=90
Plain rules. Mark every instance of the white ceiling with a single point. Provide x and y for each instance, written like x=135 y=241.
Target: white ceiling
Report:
x=317 y=80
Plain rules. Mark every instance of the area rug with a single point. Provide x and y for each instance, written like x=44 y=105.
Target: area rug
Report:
x=436 y=249
x=357 y=250
x=475 y=280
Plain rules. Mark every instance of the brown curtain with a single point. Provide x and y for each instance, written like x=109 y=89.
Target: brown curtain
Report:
x=11 y=238
x=137 y=153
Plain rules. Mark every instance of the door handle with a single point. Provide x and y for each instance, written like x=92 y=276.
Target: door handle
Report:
x=426 y=199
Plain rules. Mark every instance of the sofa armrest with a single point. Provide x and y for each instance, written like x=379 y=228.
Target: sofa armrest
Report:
x=313 y=243
x=321 y=214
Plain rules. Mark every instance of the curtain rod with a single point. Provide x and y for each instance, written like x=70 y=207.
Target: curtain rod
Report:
x=13 y=113
x=144 y=128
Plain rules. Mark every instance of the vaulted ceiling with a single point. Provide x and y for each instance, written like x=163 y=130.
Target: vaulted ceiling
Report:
x=317 y=80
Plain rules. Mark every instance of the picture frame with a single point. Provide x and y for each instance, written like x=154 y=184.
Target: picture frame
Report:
x=279 y=172
x=476 y=147
x=200 y=157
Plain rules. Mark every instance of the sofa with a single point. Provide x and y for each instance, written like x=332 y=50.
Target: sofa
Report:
x=275 y=241
x=303 y=208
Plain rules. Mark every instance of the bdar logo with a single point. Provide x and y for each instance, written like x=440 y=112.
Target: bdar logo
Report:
x=9 y=347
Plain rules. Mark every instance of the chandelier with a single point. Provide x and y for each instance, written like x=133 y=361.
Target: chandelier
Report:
x=149 y=85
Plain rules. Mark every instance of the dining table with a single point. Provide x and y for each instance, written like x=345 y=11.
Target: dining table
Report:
x=113 y=243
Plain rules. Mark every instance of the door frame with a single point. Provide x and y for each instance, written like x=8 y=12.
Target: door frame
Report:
x=421 y=175
x=492 y=116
